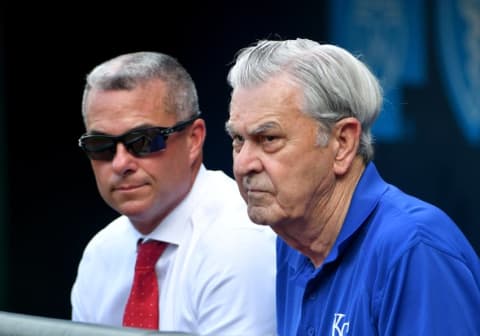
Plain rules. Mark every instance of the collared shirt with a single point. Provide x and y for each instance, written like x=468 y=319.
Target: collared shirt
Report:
x=399 y=266
x=217 y=276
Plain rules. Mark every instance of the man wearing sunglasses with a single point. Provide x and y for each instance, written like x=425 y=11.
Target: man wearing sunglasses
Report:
x=144 y=138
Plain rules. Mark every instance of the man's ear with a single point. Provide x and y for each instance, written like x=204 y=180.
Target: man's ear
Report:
x=196 y=139
x=347 y=133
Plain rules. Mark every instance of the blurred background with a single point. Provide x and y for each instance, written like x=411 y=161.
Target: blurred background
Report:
x=426 y=53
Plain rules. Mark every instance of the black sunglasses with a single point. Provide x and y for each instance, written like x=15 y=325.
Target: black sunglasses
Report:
x=139 y=142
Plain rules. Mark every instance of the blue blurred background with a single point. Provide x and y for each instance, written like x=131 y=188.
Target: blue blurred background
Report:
x=426 y=53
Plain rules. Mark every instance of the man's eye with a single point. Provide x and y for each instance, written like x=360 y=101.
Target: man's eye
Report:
x=237 y=142
x=272 y=143
x=269 y=138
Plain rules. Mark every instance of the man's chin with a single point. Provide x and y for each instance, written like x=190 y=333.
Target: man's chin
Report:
x=258 y=215
x=131 y=209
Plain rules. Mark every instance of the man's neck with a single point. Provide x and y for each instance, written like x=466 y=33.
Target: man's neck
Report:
x=315 y=235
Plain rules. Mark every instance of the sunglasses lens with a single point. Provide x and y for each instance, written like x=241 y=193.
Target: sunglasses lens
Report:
x=98 y=147
x=139 y=143
x=142 y=143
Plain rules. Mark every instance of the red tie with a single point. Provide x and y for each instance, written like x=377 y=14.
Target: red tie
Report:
x=141 y=310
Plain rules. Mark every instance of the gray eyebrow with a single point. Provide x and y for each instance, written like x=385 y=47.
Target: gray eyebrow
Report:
x=263 y=127
x=256 y=131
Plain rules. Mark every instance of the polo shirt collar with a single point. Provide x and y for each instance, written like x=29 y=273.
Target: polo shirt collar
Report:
x=365 y=198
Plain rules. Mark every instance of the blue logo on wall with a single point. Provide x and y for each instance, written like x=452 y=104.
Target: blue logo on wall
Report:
x=458 y=23
x=389 y=36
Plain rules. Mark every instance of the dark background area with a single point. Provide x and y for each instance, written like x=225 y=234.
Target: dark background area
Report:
x=52 y=203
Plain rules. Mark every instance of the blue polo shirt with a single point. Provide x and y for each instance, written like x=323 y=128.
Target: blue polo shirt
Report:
x=399 y=266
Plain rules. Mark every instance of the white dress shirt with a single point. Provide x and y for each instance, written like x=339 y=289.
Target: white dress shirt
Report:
x=216 y=277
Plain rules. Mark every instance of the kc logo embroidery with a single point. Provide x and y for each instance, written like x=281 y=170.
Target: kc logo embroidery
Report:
x=340 y=328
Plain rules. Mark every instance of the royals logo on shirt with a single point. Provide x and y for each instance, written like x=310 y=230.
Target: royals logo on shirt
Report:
x=458 y=32
x=340 y=325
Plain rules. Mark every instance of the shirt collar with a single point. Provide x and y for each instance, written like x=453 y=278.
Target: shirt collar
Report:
x=365 y=198
x=179 y=223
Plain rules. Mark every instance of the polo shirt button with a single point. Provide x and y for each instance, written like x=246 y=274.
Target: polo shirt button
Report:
x=311 y=331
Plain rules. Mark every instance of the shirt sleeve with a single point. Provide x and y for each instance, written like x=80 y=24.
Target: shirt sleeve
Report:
x=429 y=291
x=235 y=287
x=79 y=313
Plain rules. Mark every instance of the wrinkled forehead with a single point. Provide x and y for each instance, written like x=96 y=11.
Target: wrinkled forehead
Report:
x=265 y=107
